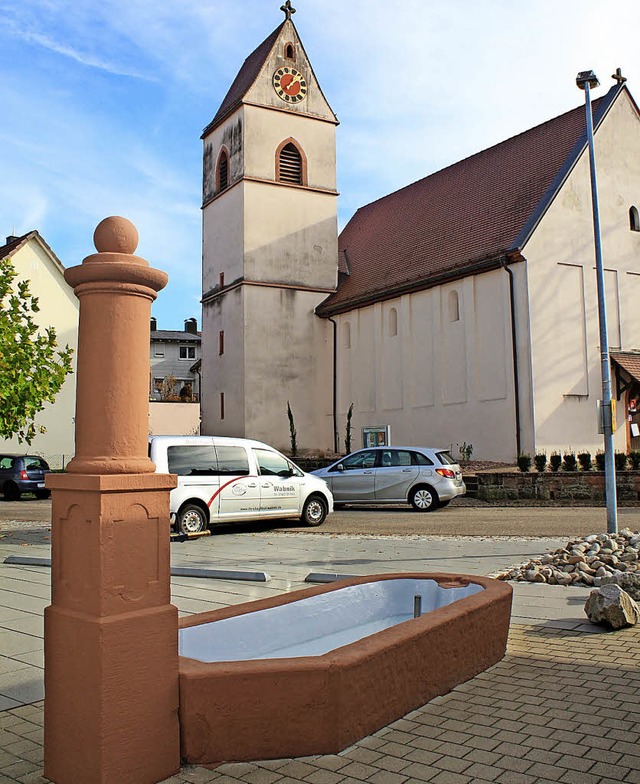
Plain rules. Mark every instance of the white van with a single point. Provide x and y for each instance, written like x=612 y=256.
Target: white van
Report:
x=223 y=480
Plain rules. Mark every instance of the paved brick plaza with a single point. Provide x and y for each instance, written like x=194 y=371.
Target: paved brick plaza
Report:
x=562 y=706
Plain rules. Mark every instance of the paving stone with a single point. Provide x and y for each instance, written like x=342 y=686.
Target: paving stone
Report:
x=387 y=777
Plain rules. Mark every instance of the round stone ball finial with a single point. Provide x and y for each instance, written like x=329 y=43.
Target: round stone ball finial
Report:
x=115 y=235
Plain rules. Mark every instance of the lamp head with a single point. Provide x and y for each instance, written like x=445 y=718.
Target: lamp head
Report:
x=585 y=78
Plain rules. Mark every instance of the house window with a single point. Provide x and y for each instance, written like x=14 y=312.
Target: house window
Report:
x=290 y=164
x=157 y=384
x=393 y=322
x=346 y=331
x=187 y=352
x=454 y=306
x=222 y=173
x=158 y=350
x=290 y=52
x=221 y=342
x=634 y=219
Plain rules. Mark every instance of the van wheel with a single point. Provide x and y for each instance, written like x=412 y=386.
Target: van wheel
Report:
x=314 y=511
x=192 y=519
x=424 y=499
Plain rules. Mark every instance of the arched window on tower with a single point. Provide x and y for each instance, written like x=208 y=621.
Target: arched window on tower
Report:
x=222 y=171
x=291 y=164
x=289 y=52
x=634 y=219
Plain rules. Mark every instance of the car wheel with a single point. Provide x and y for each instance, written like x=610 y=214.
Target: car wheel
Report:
x=43 y=493
x=314 y=511
x=423 y=499
x=11 y=492
x=192 y=519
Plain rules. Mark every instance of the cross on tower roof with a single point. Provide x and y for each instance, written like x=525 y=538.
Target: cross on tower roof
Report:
x=618 y=76
x=288 y=9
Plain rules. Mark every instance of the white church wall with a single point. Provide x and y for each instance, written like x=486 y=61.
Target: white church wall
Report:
x=264 y=132
x=222 y=374
x=290 y=236
x=561 y=264
x=277 y=355
x=630 y=305
x=442 y=380
x=223 y=238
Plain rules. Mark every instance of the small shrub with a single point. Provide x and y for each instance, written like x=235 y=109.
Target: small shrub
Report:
x=569 y=462
x=466 y=450
x=621 y=461
x=584 y=458
x=554 y=461
x=540 y=461
x=600 y=461
x=634 y=459
x=293 y=433
x=347 y=434
x=524 y=463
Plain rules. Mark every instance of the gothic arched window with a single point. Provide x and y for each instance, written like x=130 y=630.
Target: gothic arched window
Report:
x=222 y=171
x=291 y=164
x=634 y=219
x=289 y=52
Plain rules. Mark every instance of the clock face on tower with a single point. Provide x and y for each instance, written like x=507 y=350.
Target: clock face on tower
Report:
x=290 y=85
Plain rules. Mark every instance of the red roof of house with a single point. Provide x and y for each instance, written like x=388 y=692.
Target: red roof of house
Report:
x=14 y=245
x=629 y=361
x=460 y=219
x=245 y=78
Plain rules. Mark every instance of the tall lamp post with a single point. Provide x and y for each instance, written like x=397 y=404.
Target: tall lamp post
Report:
x=585 y=81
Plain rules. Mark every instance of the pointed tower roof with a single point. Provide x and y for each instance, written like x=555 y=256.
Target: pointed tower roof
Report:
x=265 y=56
x=245 y=78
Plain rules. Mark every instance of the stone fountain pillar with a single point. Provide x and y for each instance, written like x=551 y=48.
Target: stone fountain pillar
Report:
x=111 y=634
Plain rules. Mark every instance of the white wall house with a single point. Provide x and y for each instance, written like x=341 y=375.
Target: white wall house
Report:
x=34 y=261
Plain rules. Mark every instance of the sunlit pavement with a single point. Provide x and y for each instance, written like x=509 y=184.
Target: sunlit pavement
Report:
x=562 y=706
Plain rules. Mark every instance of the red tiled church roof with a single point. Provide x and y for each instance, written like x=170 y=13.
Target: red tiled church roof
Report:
x=466 y=215
x=245 y=78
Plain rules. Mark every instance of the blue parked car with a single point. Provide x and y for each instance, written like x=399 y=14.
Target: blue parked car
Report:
x=23 y=474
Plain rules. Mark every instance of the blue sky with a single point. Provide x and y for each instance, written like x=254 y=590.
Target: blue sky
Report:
x=103 y=103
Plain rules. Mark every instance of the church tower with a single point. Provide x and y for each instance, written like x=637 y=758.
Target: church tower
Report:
x=270 y=250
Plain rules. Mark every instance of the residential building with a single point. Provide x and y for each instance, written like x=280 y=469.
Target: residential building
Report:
x=35 y=262
x=175 y=362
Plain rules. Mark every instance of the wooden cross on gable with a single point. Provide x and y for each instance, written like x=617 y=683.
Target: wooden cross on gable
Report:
x=288 y=9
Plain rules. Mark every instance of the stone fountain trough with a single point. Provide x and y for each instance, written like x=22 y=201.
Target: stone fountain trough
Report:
x=311 y=672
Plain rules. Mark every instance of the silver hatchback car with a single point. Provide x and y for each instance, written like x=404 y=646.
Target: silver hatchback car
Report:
x=425 y=478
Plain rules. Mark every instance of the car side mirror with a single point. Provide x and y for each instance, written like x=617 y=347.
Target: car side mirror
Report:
x=339 y=467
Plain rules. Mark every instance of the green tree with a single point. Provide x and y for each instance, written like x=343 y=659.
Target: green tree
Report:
x=32 y=367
